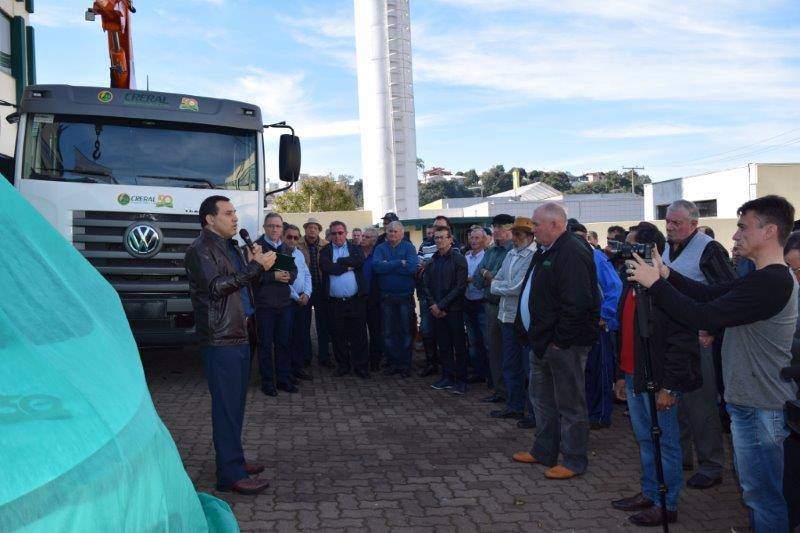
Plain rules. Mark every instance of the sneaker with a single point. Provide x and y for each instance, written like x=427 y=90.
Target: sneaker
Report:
x=443 y=384
x=460 y=389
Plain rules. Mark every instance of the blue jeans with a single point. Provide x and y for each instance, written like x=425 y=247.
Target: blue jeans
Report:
x=600 y=379
x=671 y=455
x=475 y=322
x=396 y=328
x=758 y=436
x=274 y=328
x=228 y=373
x=516 y=368
x=426 y=320
x=301 y=342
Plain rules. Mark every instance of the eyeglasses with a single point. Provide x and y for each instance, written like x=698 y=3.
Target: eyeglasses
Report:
x=291 y=237
x=441 y=237
x=337 y=233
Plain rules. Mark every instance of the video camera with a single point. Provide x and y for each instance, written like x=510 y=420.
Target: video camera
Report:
x=625 y=250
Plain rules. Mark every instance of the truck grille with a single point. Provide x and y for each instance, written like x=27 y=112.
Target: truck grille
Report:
x=99 y=236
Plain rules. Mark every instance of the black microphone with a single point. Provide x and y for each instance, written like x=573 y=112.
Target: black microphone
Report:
x=791 y=373
x=246 y=238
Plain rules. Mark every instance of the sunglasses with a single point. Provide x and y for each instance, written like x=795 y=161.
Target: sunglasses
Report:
x=291 y=237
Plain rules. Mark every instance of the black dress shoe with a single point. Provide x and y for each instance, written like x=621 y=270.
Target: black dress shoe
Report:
x=341 y=372
x=245 y=486
x=390 y=371
x=300 y=374
x=327 y=364
x=475 y=379
x=637 y=502
x=374 y=366
x=405 y=373
x=599 y=425
x=505 y=413
x=288 y=387
x=702 y=481
x=526 y=423
x=269 y=390
x=429 y=370
x=363 y=374
x=652 y=517
x=494 y=398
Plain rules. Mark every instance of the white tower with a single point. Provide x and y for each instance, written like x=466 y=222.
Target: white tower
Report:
x=386 y=107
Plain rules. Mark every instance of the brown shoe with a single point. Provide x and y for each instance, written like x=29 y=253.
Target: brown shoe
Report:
x=653 y=517
x=253 y=469
x=635 y=503
x=246 y=486
x=524 y=457
x=559 y=472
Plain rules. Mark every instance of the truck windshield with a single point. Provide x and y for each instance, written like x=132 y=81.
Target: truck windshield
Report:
x=138 y=152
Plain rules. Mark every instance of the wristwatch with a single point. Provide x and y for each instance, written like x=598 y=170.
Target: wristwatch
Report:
x=672 y=393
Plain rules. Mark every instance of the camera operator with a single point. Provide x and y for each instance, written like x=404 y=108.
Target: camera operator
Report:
x=759 y=314
x=675 y=367
x=791 y=447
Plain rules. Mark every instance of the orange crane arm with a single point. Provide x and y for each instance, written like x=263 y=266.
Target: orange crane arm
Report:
x=116 y=19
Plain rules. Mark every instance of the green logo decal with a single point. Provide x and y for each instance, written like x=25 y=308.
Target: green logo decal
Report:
x=164 y=200
x=123 y=199
x=105 y=96
x=189 y=104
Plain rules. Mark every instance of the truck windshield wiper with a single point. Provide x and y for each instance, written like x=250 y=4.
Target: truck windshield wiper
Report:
x=84 y=172
x=201 y=183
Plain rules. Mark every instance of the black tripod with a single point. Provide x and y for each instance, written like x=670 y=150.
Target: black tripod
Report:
x=644 y=307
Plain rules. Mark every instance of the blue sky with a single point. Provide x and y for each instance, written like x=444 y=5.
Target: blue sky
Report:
x=679 y=88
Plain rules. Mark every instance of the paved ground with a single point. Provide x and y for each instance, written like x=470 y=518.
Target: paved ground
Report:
x=393 y=454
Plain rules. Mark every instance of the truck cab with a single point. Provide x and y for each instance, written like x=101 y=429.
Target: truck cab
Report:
x=121 y=174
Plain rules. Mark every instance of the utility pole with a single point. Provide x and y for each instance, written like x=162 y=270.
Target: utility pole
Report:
x=633 y=170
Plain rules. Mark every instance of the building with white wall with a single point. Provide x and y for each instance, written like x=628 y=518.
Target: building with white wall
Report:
x=719 y=194
x=17 y=63
x=386 y=107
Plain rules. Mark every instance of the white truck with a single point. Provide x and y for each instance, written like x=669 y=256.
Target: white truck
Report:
x=121 y=174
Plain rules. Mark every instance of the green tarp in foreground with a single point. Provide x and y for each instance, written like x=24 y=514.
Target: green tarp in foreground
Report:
x=81 y=445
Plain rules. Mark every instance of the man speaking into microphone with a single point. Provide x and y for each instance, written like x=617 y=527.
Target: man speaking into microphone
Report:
x=220 y=284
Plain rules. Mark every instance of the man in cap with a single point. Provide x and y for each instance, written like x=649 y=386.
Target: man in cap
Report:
x=310 y=245
x=388 y=218
x=487 y=270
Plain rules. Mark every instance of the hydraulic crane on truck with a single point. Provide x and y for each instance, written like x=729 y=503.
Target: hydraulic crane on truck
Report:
x=115 y=16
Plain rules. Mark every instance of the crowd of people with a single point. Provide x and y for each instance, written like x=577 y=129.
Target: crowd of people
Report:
x=532 y=311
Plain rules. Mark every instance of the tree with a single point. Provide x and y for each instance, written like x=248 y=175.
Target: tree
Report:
x=420 y=164
x=430 y=192
x=320 y=193
x=557 y=180
x=357 y=188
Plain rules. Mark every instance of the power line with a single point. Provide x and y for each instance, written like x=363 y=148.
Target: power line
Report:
x=718 y=160
x=717 y=155
x=633 y=176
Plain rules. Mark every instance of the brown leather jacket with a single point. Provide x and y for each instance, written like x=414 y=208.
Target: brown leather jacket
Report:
x=214 y=283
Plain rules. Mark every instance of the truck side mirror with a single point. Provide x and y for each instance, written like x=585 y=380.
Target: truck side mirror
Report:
x=289 y=158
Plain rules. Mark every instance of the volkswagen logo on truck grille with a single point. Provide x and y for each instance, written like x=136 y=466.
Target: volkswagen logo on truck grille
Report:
x=142 y=240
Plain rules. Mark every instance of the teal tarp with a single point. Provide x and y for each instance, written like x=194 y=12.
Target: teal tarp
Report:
x=81 y=445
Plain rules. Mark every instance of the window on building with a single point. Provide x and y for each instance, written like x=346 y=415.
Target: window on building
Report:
x=707 y=208
x=5 y=43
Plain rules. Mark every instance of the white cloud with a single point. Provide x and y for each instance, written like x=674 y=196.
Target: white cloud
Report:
x=282 y=96
x=644 y=130
x=612 y=51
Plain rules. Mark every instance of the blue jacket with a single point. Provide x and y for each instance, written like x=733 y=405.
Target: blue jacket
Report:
x=610 y=289
x=394 y=277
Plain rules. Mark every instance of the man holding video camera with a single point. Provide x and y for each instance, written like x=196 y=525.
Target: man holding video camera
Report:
x=674 y=367
x=759 y=314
